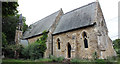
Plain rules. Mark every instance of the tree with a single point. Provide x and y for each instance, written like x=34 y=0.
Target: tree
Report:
x=9 y=9
x=116 y=45
x=25 y=26
x=9 y=27
x=10 y=20
x=4 y=40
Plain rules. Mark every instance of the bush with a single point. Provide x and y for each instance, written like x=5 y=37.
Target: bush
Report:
x=75 y=60
x=25 y=53
x=55 y=59
x=8 y=52
x=95 y=55
x=34 y=51
x=13 y=51
x=60 y=59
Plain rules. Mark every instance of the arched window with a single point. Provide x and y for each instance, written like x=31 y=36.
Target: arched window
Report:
x=102 y=23
x=84 y=35
x=58 y=43
x=85 y=43
x=85 y=39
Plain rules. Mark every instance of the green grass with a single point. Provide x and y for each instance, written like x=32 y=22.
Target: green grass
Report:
x=44 y=60
x=16 y=60
x=21 y=60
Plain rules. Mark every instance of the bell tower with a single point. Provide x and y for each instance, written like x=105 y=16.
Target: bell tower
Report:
x=19 y=30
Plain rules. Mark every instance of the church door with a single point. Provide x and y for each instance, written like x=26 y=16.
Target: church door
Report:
x=69 y=50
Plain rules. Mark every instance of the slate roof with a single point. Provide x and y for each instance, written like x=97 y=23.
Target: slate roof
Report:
x=77 y=18
x=41 y=25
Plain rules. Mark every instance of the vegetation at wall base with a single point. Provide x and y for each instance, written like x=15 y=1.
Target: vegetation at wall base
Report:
x=32 y=51
x=36 y=50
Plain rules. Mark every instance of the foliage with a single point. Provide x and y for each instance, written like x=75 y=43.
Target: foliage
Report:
x=28 y=60
x=75 y=60
x=16 y=60
x=10 y=20
x=95 y=55
x=13 y=51
x=43 y=38
x=9 y=8
x=11 y=23
x=25 y=52
x=52 y=57
x=116 y=45
x=32 y=51
x=36 y=50
x=55 y=59
x=100 y=60
x=113 y=58
x=4 y=41
x=25 y=26
x=44 y=60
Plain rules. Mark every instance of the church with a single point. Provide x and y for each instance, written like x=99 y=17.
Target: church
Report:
x=76 y=34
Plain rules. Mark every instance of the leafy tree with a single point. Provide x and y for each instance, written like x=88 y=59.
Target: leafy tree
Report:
x=10 y=20
x=4 y=40
x=116 y=45
x=9 y=9
x=25 y=26
x=9 y=27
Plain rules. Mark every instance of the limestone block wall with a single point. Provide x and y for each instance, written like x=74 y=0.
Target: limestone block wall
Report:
x=32 y=40
x=104 y=42
x=76 y=41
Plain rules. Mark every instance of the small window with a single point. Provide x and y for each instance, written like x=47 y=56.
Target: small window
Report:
x=102 y=23
x=84 y=35
x=85 y=39
x=85 y=43
x=58 y=42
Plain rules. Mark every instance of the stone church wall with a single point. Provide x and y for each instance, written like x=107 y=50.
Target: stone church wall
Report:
x=76 y=40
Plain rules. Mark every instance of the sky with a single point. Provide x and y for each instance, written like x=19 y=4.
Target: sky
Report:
x=35 y=10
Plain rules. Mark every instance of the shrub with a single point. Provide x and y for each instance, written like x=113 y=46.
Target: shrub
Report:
x=60 y=59
x=33 y=51
x=55 y=59
x=75 y=60
x=95 y=55
x=113 y=58
x=36 y=50
x=25 y=52
x=13 y=51
x=8 y=52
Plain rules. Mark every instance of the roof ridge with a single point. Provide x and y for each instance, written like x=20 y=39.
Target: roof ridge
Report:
x=79 y=7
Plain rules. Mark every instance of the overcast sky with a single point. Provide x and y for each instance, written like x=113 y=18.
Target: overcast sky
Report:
x=35 y=10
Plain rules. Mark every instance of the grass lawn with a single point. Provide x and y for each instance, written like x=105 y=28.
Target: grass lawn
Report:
x=50 y=61
x=16 y=60
x=21 y=60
